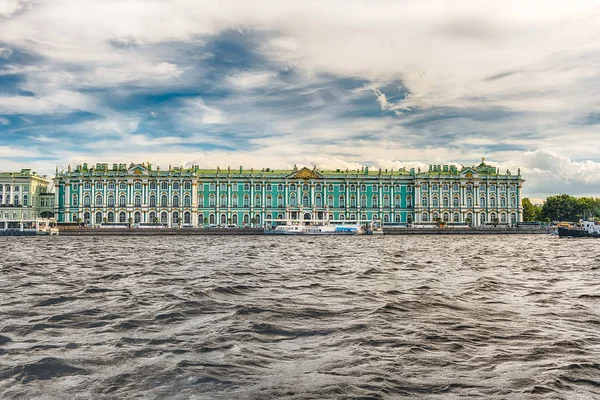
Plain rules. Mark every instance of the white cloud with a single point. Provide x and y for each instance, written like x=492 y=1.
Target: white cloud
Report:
x=196 y=112
x=4 y=121
x=251 y=80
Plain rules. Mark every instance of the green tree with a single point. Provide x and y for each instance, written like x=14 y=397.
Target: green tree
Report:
x=531 y=212
x=562 y=207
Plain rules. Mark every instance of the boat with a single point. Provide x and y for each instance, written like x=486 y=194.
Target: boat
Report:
x=323 y=229
x=587 y=229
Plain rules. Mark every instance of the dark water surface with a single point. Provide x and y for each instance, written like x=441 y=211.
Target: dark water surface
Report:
x=299 y=317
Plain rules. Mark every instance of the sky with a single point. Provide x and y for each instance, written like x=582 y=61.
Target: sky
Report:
x=337 y=84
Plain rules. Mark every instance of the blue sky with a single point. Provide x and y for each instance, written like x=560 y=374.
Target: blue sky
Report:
x=339 y=84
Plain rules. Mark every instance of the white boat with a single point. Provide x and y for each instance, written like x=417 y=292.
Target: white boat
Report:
x=298 y=229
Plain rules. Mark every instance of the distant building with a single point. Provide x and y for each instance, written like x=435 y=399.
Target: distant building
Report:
x=24 y=197
x=194 y=197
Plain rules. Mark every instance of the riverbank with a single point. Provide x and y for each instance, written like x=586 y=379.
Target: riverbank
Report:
x=259 y=231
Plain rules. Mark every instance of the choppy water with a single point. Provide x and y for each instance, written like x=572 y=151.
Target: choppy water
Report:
x=300 y=318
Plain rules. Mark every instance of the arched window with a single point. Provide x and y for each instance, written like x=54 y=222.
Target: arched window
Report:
x=409 y=218
x=469 y=218
x=246 y=219
x=187 y=201
x=111 y=200
x=455 y=201
x=152 y=201
x=503 y=218
x=330 y=200
x=188 y=185
x=455 y=217
x=318 y=187
x=269 y=201
x=257 y=200
x=318 y=201
x=503 y=202
x=341 y=217
x=445 y=201
x=513 y=201
x=342 y=201
x=234 y=200
x=330 y=187
x=386 y=201
x=269 y=187
x=187 y=217
x=175 y=185
x=122 y=217
x=175 y=218
x=246 y=187
x=111 y=217
x=200 y=219
x=293 y=200
x=469 y=202
x=122 y=201
x=482 y=218
x=175 y=201
x=86 y=218
x=363 y=201
x=137 y=201
x=280 y=187
x=211 y=200
x=424 y=201
x=246 y=200
x=25 y=200
x=234 y=219
x=137 y=185
x=482 y=201
x=353 y=201
x=293 y=187
x=86 y=201
x=163 y=200
x=446 y=217
x=98 y=218
x=425 y=217
x=137 y=217
x=492 y=202
x=279 y=200
x=223 y=201
x=200 y=200
x=74 y=200
x=152 y=217
x=409 y=201
x=386 y=218
x=398 y=218
x=374 y=201
x=436 y=216
x=164 y=186
x=257 y=219
x=513 y=219
x=163 y=218
x=435 y=202
x=397 y=201
x=212 y=219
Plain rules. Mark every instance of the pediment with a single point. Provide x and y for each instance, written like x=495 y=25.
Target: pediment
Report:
x=137 y=170
x=305 y=173
x=469 y=173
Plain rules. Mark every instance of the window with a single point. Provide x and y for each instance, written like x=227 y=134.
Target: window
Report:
x=363 y=188
x=223 y=187
x=74 y=187
x=434 y=187
x=374 y=187
x=305 y=201
x=280 y=200
x=122 y=217
x=492 y=188
x=211 y=187
x=164 y=186
x=257 y=200
x=99 y=186
x=445 y=201
x=342 y=201
x=513 y=201
x=98 y=218
x=187 y=217
x=137 y=217
x=409 y=201
x=409 y=219
x=223 y=202
x=111 y=217
x=25 y=200
x=292 y=187
x=163 y=218
x=386 y=201
x=152 y=201
x=257 y=187
x=74 y=200
x=175 y=218
x=424 y=202
x=424 y=187
x=374 y=201
x=397 y=218
x=137 y=185
x=435 y=202
x=187 y=186
x=318 y=187
x=152 y=185
x=211 y=200
x=305 y=187
x=469 y=202
x=502 y=201
x=342 y=187
x=269 y=187
x=269 y=201
x=482 y=202
x=87 y=185
x=318 y=201
x=363 y=200
x=386 y=188
x=176 y=186
x=386 y=218
x=280 y=187
x=330 y=200
x=455 y=217
x=234 y=200
x=98 y=200
x=425 y=217
x=293 y=200
x=353 y=188
x=455 y=187
x=246 y=201
x=482 y=187
x=492 y=202
x=123 y=186
x=469 y=188
x=455 y=201
x=330 y=187
x=397 y=201
x=163 y=200
x=200 y=219
x=246 y=187
x=503 y=218
x=234 y=187
x=353 y=201
x=122 y=201
x=200 y=200
x=86 y=201
x=445 y=187
x=137 y=201
x=513 y=219
x=187 y=201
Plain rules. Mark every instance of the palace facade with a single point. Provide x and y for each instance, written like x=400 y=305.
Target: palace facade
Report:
x=120 y=194
x=24 y=198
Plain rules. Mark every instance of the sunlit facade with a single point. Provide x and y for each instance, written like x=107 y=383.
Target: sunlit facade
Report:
x=194 y=197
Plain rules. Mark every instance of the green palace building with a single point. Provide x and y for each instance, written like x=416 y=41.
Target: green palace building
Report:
x=140 y=194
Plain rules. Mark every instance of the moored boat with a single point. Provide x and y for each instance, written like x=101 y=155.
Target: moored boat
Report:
x=587 y=229
x=298 y=229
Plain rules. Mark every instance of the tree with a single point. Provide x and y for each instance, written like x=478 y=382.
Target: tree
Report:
x=531 y=212
x=562 y=207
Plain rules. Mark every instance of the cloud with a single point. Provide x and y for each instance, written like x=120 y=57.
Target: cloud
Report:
x=4 y=121
x=196 y=112
x=251 y=80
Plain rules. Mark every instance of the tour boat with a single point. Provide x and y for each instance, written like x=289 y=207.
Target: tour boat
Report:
x=587 y=229
x=297 y=229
